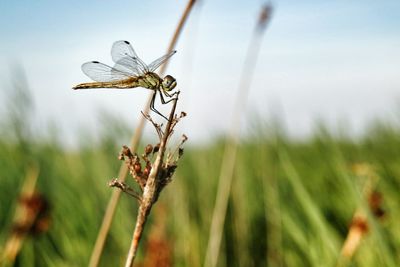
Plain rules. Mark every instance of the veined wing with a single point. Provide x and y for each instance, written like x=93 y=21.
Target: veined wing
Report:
x=100 y=72
x=128 y=65
x=158 y=62
x=121 y=49
x=123 y=54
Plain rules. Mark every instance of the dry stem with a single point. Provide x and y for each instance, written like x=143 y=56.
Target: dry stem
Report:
x=31 y=216
x=151 y=189
x=112 y=204
x=228 y=164
x=360 y=223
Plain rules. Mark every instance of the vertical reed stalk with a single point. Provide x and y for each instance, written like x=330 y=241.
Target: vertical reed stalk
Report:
x=228 y=163
x=26 y=213
x=361 y=223
x=112 y=204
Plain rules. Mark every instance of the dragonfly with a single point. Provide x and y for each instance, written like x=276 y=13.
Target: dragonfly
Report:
x=129 y=71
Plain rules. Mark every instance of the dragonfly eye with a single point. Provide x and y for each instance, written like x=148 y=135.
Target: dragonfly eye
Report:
x=169 y=83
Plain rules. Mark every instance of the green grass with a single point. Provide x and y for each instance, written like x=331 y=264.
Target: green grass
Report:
x=291 y=201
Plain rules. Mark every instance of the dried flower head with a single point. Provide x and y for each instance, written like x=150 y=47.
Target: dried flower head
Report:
x=156 y=148
x=148 y=149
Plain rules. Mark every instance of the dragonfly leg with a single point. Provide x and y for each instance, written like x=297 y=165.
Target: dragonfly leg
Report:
x=171 y=95
x=153 y=108
x=166 y=94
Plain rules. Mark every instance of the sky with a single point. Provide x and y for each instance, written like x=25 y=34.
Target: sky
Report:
x=331 y=61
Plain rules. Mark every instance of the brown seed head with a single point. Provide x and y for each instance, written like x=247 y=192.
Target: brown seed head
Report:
x=148 y=149
x=265 y=16
x=126 y=151
x=360 y=223
x=375 y=203
x=156 y=148
x=147 y=169
x=180 y=152
x=137 y=167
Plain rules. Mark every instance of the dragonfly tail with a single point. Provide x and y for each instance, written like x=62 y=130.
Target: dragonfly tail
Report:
x=97 y=85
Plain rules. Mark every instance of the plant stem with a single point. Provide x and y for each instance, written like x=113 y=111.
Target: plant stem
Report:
x=150 y=191
x=23 y=216
x=229 y=158
x=123 y=172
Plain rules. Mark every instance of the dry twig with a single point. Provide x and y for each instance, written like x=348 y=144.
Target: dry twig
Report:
x=153 y=177
x=112 y=203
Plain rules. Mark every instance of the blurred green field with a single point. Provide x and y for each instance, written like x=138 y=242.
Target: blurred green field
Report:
x=291 y=201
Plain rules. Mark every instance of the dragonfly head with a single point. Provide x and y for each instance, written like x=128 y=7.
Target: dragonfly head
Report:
x=168 y=83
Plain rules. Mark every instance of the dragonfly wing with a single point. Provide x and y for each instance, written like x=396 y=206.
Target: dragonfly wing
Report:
x=100 y=72
x=121 y=49
x=123 y=54
x=158 y=62
x=129 y=65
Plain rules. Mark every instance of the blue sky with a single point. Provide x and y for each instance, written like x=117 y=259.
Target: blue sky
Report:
x=330 y=60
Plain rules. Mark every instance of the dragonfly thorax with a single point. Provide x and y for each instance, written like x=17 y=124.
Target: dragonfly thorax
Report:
x=149 y=80
x=152 y=81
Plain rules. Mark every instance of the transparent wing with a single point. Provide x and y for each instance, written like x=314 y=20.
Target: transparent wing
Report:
x=158 y=62
x=121 y=49
x=100 y=72
x=123 y=54
x=129 y=65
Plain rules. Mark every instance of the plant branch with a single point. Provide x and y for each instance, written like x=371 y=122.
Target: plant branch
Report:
x=151 y=189
x=112 y=203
